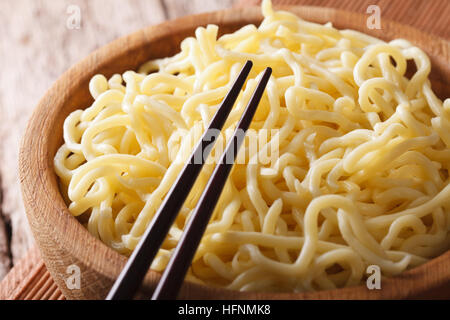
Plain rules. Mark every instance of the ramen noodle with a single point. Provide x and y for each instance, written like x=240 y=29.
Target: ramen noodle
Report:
x=361 y=175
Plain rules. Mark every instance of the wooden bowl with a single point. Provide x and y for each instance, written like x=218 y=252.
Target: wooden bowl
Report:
x=63 y=241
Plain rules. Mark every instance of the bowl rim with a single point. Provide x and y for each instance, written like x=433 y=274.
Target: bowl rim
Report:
x=36 y=169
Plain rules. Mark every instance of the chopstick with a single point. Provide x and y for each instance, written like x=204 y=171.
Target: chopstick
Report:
x=140 y=260
x=131 y=276
x=180 y=261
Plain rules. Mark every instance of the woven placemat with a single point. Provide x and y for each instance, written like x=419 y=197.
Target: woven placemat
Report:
x=30 y=280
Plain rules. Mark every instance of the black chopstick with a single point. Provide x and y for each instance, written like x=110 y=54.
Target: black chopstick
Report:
x=140 y=260
x=180 y=261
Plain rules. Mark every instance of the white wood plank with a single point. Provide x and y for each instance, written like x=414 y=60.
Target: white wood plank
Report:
x=177 y=8
x=36 y=47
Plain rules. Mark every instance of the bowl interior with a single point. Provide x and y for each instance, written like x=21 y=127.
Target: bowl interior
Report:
x=44 y=134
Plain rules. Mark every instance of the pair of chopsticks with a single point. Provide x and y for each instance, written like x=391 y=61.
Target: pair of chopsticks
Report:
x=140 y=260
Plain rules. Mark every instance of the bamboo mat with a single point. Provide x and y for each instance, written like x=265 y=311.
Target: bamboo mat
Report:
x=30 y=280
x=430 y=16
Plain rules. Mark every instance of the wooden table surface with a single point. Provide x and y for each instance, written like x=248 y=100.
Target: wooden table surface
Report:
x=37 y=46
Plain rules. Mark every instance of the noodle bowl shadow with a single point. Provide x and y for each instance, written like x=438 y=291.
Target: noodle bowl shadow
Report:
x=64 y=241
